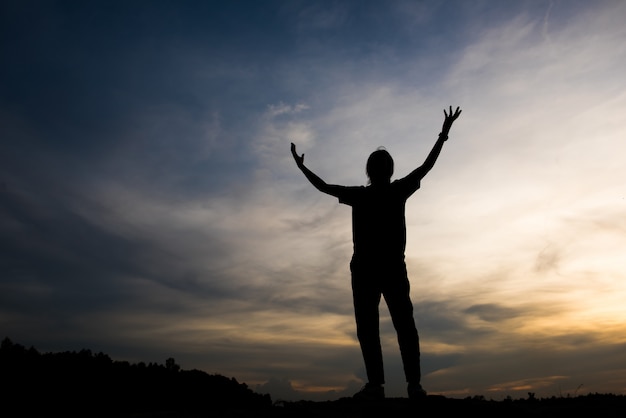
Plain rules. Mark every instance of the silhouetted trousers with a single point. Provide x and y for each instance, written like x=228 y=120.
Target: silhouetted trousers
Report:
x=370 y=281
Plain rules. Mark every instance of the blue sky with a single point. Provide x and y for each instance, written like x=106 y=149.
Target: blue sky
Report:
x=150 y=208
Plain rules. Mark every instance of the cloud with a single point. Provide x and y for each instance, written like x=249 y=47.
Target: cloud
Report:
x=491 y=312
x=151 y=208
x=318 y=18
x=282 y=108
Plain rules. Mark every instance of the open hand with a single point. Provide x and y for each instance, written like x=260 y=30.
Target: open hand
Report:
x=450 y=117
x=299 y=158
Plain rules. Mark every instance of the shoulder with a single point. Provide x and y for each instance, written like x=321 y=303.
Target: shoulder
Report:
x=350 y=195
x=406 y=186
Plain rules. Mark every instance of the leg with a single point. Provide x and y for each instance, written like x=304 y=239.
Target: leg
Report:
x=401 y=309
x=366 y=298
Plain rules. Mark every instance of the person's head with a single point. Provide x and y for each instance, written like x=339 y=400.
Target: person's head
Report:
x=379 y=166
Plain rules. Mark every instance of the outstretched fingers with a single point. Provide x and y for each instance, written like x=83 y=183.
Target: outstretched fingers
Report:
x=452 y=115
x=299 y=158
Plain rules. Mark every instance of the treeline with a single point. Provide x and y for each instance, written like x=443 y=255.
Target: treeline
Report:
x=94 y=384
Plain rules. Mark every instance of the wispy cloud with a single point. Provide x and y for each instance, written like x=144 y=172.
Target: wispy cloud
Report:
x=153 y=209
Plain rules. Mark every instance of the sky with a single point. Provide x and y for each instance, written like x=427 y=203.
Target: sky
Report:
x=150 y=206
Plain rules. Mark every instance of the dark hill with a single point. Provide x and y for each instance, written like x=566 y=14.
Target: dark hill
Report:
x=90 y=384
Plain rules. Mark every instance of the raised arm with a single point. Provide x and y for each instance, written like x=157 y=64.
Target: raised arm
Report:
x=319 y=184
x=429 y=163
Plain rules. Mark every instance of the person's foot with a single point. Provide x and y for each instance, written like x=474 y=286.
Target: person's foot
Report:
x=416 y=391
x=370 y=392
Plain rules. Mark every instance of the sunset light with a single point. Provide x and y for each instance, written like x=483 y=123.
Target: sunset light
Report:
x=150 y=206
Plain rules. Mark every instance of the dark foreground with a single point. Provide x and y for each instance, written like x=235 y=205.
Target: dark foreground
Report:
x=438 y=406
x=593 y=405
x=84 y=384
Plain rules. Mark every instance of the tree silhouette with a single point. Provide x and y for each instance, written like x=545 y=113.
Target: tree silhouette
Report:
x=75 y=382
x=170 y=364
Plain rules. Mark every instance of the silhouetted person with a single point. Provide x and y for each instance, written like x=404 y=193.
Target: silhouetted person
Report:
x=377 y=266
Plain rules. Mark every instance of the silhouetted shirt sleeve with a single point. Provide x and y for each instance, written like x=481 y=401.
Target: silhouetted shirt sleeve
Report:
x=350 y=195
x=378 y=221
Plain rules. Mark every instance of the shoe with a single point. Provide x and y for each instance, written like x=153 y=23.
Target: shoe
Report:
x=416 y=391
x=370 y=392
